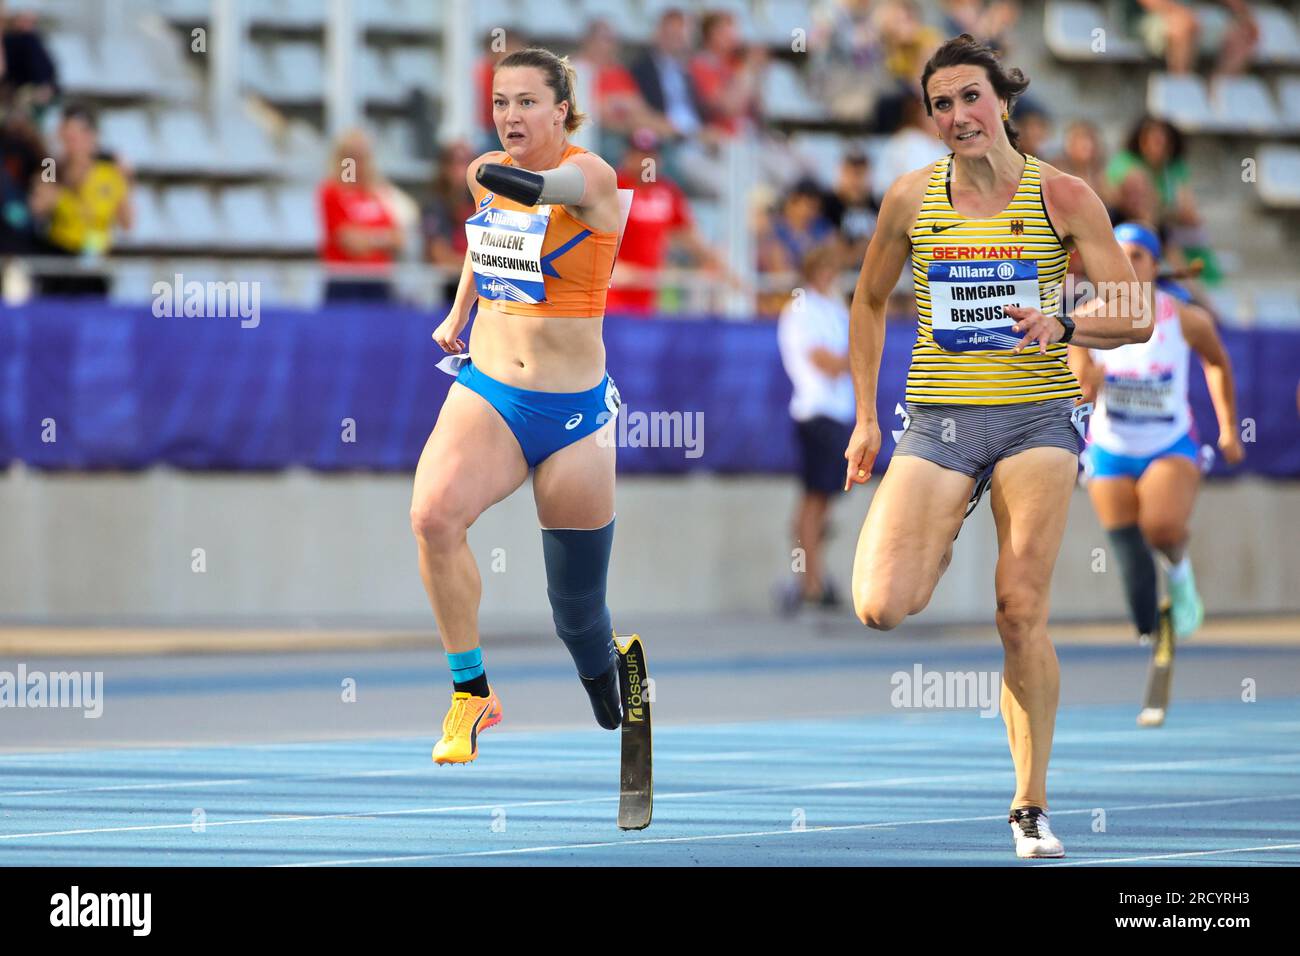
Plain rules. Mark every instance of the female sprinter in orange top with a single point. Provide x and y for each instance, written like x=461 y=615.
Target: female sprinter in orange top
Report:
x=531 y=394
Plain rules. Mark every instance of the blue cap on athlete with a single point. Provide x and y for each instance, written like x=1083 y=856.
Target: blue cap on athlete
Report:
x=1137 y=233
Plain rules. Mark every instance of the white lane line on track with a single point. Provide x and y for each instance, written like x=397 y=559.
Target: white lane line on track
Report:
x=1176 y=856
x=786 y=831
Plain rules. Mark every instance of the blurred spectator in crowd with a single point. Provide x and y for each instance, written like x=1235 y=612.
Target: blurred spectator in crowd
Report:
x=660 y=215
x=1171 y=29
x=617 y=103
x=784 y=237
x=851 y=208
x=484 y=71
x=813 y=335
x=1084 y=155
x=76 y=212
x=1152 y=183
x=916 y=144
x=907 y=42
x=1034 y=124
x=990 y=21
x=663 y=75
x=28 y=77
x=727 y=75
x=845 y=58
x=801 y=224
x=442 y=220
x=360 y=229
x=21 y=152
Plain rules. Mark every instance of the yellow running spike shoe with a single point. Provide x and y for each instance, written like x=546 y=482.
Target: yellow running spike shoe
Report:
x=466 y=719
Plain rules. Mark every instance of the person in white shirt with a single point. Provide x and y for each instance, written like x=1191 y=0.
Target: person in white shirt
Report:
x=813 y=334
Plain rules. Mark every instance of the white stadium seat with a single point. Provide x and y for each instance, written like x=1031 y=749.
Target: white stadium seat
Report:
x=248 y=217
x=1279 y=38
x=551 y=19
x=1243 y=104
x=194 y=217
x=417 y=68
x=186 y=144
x=1279 y=176
x=79 y=67
x=489 y=14
x=288 y=13
x=778 y=21
x=1182 y=100
x=151 y=226
x=297 y=215
x=629 y=22
x=1070 y=30
x=128 y=134
x=1288 y=98
x=785 y=97
x=1278 y=305
x=298 y=70
x=374 y=77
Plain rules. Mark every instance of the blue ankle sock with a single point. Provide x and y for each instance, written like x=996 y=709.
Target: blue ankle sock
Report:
x=467 y=672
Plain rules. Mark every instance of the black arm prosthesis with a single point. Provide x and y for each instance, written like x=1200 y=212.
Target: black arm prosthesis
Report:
x=522 y=186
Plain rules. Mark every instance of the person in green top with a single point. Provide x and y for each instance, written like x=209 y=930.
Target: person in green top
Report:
x=1151 y=183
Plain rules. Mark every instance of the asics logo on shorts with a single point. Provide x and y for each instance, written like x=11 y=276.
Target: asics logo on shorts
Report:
x=573 y=422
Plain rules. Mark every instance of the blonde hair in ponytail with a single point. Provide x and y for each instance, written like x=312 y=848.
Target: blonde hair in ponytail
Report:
x=560 y=76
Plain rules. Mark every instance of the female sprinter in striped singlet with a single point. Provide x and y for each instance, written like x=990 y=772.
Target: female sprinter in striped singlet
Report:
x=1142 y=463
x=988 y=231
x=533 y=394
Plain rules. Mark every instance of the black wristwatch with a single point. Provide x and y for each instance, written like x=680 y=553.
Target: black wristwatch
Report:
x=1068 y=322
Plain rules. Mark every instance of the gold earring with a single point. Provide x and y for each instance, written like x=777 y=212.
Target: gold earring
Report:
x=1005 y=116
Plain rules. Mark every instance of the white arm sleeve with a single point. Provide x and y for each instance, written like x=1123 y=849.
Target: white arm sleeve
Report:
x=563 y=186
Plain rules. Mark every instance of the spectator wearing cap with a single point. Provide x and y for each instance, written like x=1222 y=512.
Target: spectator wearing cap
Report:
x=361 y=233
x=660 y=216
x=726 y=74
x=813 y=336
x=89 y=197
x=851 y=208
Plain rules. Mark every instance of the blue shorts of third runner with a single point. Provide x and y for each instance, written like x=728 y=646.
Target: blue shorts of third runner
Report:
x=544 y=422
x=1100 y=463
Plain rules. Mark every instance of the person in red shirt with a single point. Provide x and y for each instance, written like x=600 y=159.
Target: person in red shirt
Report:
x=660 y=212
x=619 y=105
x=726 y=74
x=360 y=234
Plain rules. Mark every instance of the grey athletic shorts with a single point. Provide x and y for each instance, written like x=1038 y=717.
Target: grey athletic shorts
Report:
x=973 y=438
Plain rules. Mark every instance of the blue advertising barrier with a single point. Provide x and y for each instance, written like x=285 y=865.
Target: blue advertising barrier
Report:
x=93 y=386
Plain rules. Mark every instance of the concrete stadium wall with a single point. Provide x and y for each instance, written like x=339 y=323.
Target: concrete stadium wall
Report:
x=306 y=548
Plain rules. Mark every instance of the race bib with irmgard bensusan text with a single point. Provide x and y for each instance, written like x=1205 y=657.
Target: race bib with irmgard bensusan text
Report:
x=968 y=302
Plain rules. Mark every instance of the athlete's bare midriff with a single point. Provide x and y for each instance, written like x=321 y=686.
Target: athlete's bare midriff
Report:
x=541 y=353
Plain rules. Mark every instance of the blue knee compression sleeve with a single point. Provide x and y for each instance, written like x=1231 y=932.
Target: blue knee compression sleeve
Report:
x=577 y=565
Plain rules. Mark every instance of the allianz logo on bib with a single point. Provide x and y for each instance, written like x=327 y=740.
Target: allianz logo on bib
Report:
x=504 y=217
x=1003 y=270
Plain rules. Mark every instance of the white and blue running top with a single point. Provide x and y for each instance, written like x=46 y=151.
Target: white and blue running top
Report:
x=1142 y=407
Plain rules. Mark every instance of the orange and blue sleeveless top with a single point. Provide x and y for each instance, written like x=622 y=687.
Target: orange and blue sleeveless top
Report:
x=964 y=271
x=538 y=260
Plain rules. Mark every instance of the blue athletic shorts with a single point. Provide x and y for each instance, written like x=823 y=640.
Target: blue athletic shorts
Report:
x=544 y=422
x=1099 y=463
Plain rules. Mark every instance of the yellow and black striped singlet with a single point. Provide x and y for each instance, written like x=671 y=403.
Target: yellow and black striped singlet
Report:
x=1021 y=234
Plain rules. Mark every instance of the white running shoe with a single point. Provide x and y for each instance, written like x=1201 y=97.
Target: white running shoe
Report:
x=1033 y=836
